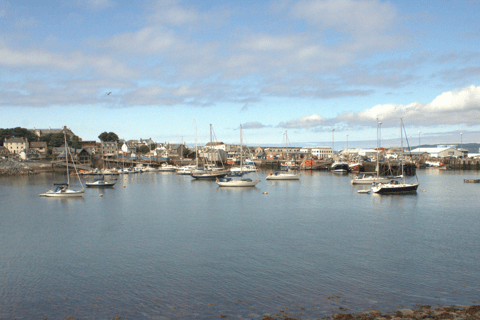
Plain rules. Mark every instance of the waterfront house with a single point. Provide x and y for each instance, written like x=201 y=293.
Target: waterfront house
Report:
x=40 y=146
x=90 y=146
x=16 y=145
x=81 y=156
x=107 y=148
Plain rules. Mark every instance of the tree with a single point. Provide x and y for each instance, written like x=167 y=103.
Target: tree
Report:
x=108 y=136
x=143 y=149
x=18 y=133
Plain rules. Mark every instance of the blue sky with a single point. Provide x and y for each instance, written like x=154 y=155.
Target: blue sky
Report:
x=305 y=67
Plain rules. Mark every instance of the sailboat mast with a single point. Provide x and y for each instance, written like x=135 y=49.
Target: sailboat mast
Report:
x=401 y=144
x=241 y=150
x=66 y=157
x=196 y=152
x=378 y=166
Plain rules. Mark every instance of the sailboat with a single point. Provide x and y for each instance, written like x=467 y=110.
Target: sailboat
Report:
x=237 y=182
x=284 y=175
x=208 y=172
x=394 y=186
x=62 y=190
x=100 y=182
x=371 y=177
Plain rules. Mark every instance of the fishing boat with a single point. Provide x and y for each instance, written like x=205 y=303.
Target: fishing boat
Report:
x=340 y=167
x=62 y=190
x=395 y=186
x=238 y=181
x=186 y=170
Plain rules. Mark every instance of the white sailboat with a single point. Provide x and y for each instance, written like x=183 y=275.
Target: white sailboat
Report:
x=237 y=182
x=100 y=182
x=371 y=177
x=394 y=186
x=206 y=173
x=62 y=189
x=284 y=175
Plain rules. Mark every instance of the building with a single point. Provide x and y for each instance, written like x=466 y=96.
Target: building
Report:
x=318 y=152
x=440 y=152
x=90 y=146
x=4 y=151
x=40 y=146
x=44 y=132
x=108 y=148
x=16 y=145
x=216 y=145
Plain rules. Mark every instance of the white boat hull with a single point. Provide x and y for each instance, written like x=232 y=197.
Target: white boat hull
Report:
x=283 y=176
x=238 y=183
x=66 y=194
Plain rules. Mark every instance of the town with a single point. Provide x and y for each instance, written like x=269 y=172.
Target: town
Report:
x=48 y=145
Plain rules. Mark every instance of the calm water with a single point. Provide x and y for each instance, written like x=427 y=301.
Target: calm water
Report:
x=167 y=246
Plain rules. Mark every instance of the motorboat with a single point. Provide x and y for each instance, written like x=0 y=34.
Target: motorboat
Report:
x=340 y=167
x=283 y=175
x=186 y=170
x=100 y=183
x=167 y=168
x=245 y=168
x=231 y=182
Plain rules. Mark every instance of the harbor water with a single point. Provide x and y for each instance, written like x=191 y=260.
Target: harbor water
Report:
x=166 y=246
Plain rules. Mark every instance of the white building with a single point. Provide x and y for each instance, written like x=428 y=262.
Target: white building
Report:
x=319 y=152
x=438 y=152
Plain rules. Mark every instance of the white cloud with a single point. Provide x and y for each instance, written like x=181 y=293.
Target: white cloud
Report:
x=73 y=61
x=310 y=121
x=449 y=108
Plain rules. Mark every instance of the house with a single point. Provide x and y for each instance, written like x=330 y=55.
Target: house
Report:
x=4 y=151
x=108 y=148
x=81 y=156
x=16 y=145
x=90 y=146
x=40 y=146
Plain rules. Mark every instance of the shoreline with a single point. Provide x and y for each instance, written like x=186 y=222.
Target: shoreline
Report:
x=425 y=312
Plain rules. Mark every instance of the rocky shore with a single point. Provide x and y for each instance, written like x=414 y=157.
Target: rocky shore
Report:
x=421 y=312
x=9 y=167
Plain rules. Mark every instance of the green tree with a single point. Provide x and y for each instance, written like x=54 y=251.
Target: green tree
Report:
x=143 y=149
x=108 y=136
x=17 y=132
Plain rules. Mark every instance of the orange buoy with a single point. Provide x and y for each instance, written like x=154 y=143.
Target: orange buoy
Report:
x=101 y=195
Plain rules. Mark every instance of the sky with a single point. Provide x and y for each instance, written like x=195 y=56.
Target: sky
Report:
x=158 y=69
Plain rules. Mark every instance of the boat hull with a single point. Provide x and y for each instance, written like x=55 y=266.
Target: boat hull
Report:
x=68 y=194
x=238 y=183
x=395 y=188
x=286 y=176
